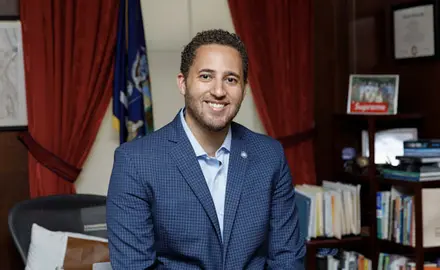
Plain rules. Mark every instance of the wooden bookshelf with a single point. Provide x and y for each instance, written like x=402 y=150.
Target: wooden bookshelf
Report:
x=395 y=248
x=373 y=183
x=409 y=251
x=363 y=179
x=380 y=121
x=410 y=184
x=334 y=242
x=352 y=178
x=314 y=244
x=391 y=117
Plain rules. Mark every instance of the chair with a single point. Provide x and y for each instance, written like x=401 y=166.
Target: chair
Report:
x=78 y=213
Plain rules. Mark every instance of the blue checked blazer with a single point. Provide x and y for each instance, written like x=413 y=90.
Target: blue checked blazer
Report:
x=160 y=214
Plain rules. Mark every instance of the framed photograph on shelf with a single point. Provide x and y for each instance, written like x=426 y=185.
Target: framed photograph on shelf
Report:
x=13 y=110
x=415 y=30
x=372 y=94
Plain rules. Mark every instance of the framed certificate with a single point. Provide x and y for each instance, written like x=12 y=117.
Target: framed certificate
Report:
x=415 y=30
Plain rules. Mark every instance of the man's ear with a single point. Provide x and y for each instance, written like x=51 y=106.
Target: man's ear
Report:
x=246 y=85
x=181 y=83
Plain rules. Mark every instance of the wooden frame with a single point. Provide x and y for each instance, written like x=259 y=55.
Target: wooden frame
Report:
x=374 y=94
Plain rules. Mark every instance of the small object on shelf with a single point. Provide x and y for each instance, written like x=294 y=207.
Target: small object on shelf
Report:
x=362 y=164
x=353 y=163
x=348 y=156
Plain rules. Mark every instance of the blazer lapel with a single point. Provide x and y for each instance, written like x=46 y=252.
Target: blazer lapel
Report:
x=238 y=162
x=189 y=167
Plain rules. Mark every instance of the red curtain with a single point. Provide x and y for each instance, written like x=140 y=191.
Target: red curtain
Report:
x=68 y=54
x=278 y=37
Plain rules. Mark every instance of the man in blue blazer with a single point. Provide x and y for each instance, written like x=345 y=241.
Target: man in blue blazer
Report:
x=204 y=192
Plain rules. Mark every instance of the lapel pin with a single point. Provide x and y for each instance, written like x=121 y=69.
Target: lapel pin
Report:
x=243 y=154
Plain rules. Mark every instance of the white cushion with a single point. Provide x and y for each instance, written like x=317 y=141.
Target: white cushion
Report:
x=102 y=266
x=48 y=248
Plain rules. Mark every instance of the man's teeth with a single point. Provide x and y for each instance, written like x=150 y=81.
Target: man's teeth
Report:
x=216 y=105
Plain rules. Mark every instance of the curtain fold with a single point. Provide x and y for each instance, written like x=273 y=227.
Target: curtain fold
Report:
x=278 y=37
x=69 y=57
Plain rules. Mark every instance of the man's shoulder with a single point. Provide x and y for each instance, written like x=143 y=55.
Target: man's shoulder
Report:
x=262 y=142
x=152 y=142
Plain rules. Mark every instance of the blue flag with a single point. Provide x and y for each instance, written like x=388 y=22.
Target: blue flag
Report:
x=132 y=103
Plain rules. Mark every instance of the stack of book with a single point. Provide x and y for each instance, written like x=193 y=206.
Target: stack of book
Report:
x=395 y=217
x=332 y=210
x=344 y=260
x=420 y=162
x=392 y=261
x=422 y=147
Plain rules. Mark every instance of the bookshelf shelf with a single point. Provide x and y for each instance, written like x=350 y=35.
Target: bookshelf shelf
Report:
x=410 y=251
x=314 y=244
x=352 y=178
x=395 y=248
x=381 y=121
x=410 y=184
x=334 y=242
x=364 y=179
x=393 y=117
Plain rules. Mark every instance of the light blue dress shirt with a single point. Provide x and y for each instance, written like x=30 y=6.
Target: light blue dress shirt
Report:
x=215 y=169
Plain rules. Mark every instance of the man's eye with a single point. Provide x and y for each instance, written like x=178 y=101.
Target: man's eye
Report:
x=231 y=80
x=205 y=76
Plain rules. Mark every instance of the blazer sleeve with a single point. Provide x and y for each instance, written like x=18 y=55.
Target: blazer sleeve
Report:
x=129 y=219
x=286 y=246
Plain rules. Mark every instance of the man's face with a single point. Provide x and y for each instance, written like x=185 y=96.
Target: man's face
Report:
x=214 y=88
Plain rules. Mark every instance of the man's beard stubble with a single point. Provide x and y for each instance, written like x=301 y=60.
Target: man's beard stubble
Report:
x=192 y=108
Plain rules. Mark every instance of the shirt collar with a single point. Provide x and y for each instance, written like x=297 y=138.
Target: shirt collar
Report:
x=198 y=149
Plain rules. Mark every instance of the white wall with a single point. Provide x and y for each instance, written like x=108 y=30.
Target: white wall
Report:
x=169 y=25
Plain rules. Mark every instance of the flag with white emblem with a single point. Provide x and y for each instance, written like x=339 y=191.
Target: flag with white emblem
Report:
x=132 y=103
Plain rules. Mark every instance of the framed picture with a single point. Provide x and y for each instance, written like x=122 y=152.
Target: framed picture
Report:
x=415 y=30
x=13 y=110
x=373 y=94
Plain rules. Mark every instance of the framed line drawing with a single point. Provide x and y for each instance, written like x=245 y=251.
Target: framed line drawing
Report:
x=13 y=109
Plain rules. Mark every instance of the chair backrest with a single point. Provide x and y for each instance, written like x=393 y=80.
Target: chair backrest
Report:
x=78 y=213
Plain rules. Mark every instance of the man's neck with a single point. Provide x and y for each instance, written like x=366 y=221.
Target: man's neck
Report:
x=210 y=141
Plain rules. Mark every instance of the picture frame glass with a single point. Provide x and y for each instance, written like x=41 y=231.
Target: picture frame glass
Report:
x=13 y=109
x=373 y=94
x=415 y=31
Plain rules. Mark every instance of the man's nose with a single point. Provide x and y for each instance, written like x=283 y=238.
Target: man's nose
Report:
x=218 y=90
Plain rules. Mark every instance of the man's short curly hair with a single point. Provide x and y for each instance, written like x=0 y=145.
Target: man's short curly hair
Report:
x=208 y=37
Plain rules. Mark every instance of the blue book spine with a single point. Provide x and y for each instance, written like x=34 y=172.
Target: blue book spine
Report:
x=379 y=214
